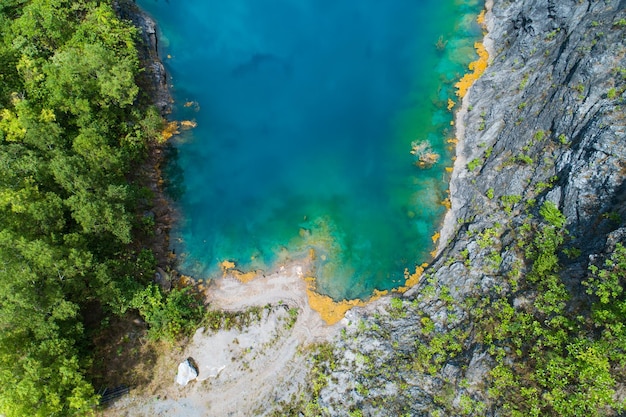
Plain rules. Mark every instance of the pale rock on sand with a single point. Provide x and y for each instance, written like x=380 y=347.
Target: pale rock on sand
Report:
x=186 y=373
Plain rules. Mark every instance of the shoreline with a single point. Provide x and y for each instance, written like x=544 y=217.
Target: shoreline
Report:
x=265 y=358
x=331 y=311
x=154 y=82
x=448 y=226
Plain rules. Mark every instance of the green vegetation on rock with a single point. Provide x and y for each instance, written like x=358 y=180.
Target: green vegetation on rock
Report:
x=552 y=356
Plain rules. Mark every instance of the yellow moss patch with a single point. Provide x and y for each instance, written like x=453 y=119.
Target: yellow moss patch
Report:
x=244 y=277
x=188 y=124
x=451 y=104
x=412 y=279
x=436 y=237
x=446 y=203
x=171 y=129
x=192 y=104
x=427 y=160
x=453 y=141
x=185 y=280
x=424 y=154
x=449 y=169
x=226 y=265
x=477 y=68
x=330 y=310
x=481 y=18
x=333 y=311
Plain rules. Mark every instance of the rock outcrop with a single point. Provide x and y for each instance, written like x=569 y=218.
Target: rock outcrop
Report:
x=153 y=83
x=154 y=79
x=544 y=123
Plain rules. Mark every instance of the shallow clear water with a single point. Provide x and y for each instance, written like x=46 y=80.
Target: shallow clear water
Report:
x=306 y=112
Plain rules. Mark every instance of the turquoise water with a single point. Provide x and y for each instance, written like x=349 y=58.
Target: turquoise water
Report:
x=306 y=111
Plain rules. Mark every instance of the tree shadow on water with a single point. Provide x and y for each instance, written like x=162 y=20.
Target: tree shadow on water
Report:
x=172 y=173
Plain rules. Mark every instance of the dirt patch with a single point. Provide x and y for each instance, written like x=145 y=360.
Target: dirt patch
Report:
x=121 y=354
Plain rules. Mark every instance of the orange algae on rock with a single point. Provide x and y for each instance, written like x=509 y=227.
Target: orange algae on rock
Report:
x=330 y=310
x=412 y=279
x=477 y=68
x=188 y=124
x=171 y=129
x=333 y=311
x=194 y=104
x=244 y=277
x=424 y=153
x=226 y=265
x=228 y=268
x=481 y=18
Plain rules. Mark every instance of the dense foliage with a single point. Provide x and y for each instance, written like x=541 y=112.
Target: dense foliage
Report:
x=558 y=353
x=71 y=133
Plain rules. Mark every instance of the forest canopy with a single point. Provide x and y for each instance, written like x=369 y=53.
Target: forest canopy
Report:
x=72 y=131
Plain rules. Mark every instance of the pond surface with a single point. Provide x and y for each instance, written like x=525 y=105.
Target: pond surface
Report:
x=306 y=113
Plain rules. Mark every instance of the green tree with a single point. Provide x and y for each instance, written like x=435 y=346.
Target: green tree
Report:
x=71 y=129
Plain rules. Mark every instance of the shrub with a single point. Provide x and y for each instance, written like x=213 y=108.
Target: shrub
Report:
x=474 y=163
x=552 y=214
x=611 y=93
x=539 y=135
x=168 y=317
x=524 y=159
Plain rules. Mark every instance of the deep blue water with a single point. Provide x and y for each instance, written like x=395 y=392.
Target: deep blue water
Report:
x=306 y=111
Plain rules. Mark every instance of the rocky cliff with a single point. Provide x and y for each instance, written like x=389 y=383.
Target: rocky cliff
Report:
x=154 y=78
x=505 y=320
x=153 y=81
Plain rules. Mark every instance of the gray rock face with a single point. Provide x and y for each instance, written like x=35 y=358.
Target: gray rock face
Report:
x=154 y=80
x=544 y=123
